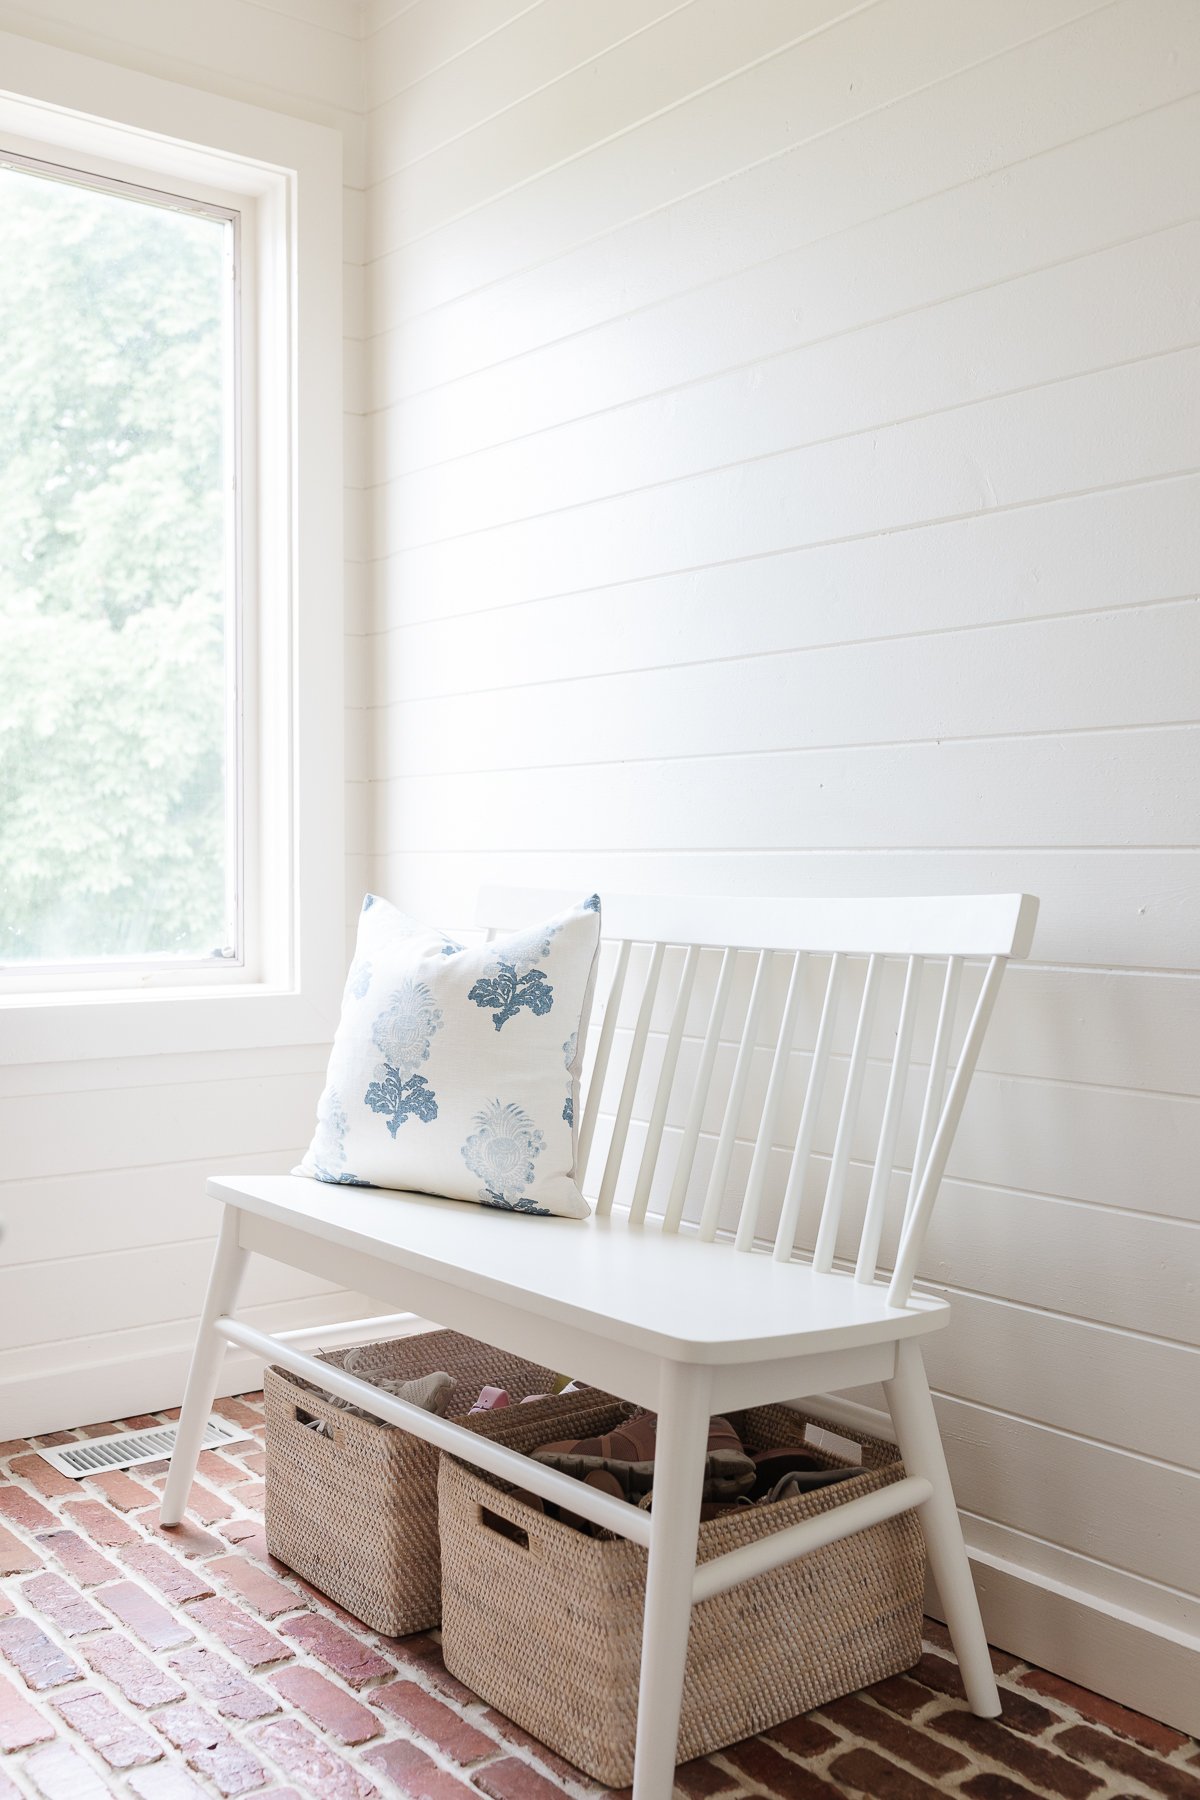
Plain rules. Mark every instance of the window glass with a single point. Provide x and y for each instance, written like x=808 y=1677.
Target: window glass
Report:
x=118 y=826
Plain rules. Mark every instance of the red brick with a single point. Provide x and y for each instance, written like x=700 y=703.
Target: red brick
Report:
x=22 y=1509
x=997 y=1787
x=145 y=1617
x=140 y=1422
x=223 y=1686
x=59 y=1602
x=989 y=1738
x=254 y=1460
x=513 y=1734
x=12 y=1447
x=900 y=1695
x=1129 y=1762
x=702 y=1780
x=425 y=1653
x=100 y=1522
x=769 y=1769
x=121 y=1491
x=102 y=1428
x=864 y=1772
x=174 y=1578
x=1147 y=1732
x=803 y=1737
x=138 y=1680
x=315 y=1765
x=251 y=1494
x=934 y=1632
x=218 y=1468
x=330 y=1707
x=248 y=1640
x=60 y=1773
x=16 y=1558
x=255 y=1586
x=859 y=1719
x=1019 y=1714
x=409 y=1771
x=43 y=1476
x=206 y=1506
x=209 y=1749
x=83 y=1564
x=6 y=1606
x=186 y=1538
x=50 y=1440
x=120 y=1741
x=20 y=1724
x=446 y=1730
x=37 y=1658
x=356 y=1663
x=510 y=1779
x=163 y=1781
x=238 y=1413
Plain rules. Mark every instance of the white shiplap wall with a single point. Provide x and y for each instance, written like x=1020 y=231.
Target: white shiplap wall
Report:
x=107 y=1231
x=782 y=444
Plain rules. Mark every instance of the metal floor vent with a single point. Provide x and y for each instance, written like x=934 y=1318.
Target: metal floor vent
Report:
x=124 y=1449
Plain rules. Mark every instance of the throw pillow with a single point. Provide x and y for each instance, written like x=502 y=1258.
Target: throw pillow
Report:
x=455 y=1069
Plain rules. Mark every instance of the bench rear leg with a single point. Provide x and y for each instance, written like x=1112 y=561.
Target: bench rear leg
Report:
x=921 y=1446
x=228 y=1263
x=682 y=1437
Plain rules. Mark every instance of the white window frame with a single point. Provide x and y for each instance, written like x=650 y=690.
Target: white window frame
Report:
x=283 y=178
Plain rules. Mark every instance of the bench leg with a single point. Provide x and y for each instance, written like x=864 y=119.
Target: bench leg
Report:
x=921 y=1446
x=684 y=1406
x=228 y=1264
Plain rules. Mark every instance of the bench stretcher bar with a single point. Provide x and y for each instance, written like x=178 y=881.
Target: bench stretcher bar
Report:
x=713 y=1577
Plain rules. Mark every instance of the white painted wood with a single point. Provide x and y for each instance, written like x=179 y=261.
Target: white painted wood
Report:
x=872 y=1230
x=229 y=1262
x=733 y=1104
x=595 y=1087
x=960 y=683
x=685 y=1157
x=633 y=1065
x=816 y=533
x=793 y=1198
x=654 y=1128
x=721 y=1573
x=935 y=1080
x=747 y=1229
x=831 y=1209
x=684 y=1407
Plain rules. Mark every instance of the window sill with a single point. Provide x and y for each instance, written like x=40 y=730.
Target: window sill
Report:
x=162 y=1021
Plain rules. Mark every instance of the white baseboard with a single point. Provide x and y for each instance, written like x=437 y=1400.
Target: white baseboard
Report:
x=1130 y=1639
x=82 y=1387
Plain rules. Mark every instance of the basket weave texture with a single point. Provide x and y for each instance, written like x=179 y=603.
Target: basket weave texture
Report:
x=549 y=1632
x=356 y=1515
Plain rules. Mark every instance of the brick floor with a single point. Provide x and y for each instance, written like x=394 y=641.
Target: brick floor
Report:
x=153 y=1665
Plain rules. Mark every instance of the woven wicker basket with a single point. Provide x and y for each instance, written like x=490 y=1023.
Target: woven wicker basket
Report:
x=356 y=1514
x=545 y=1622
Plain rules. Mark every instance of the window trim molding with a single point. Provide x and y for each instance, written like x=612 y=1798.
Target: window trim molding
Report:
x=287 y=173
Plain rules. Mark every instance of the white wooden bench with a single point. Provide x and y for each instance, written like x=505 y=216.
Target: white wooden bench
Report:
x=671 y=1295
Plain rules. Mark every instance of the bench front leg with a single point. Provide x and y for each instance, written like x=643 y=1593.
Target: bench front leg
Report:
x=685 y=1398
x=223 y=1283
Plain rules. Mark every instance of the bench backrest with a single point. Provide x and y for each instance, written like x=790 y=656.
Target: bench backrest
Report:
x=768 y=992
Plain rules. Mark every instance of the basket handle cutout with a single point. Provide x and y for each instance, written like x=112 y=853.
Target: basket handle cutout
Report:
x=505 y=1528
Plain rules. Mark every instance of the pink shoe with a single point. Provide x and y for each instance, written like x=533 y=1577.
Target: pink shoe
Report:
x=491 y=1399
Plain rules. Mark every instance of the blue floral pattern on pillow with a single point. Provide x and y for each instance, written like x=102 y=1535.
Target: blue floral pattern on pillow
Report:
x=329 y=1146
x=512 y=979
x=403 y=1033
x=569 y=1048
x=502 y=1153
